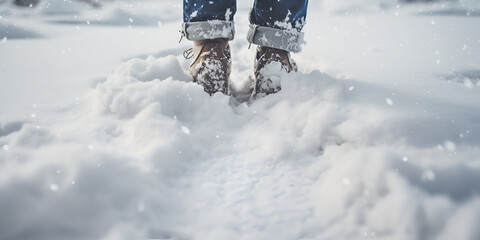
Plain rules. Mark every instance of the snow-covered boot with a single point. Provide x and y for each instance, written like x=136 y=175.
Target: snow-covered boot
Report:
x=267 y=60
x=212 y=65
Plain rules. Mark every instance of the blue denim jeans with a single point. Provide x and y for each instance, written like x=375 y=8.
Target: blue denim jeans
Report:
x=267 y=13
x=274 y=23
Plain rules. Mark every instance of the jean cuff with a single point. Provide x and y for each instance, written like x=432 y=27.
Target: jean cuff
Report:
x=284 y=39
x=211 y=29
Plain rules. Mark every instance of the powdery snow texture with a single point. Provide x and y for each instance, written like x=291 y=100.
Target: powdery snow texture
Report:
x=146 y=153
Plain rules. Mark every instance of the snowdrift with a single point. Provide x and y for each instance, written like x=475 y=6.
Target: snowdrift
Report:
x=144 y=153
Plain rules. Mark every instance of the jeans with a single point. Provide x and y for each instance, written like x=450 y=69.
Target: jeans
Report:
x=274 y=23
x=267 y=13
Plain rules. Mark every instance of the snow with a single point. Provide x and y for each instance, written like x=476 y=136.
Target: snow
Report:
x=105 y=136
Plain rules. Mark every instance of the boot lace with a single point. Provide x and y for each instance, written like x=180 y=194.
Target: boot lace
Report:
x=187 y=54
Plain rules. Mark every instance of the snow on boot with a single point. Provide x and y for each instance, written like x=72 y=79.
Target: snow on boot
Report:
x=269 y=63
x=212 y=65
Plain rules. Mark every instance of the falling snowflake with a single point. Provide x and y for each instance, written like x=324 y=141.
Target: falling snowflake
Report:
x=53 y=187
x=185 y=130
x=389 y=101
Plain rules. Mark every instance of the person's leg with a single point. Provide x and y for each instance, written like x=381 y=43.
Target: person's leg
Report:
x=279 y=14
x=275 y=26
x=205 y=10
x=208 y=19
x=209 y=24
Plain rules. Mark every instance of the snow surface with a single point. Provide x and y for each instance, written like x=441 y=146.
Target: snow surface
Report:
x=104 y=136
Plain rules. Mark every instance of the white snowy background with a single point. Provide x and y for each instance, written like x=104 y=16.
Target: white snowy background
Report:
x=104 y=136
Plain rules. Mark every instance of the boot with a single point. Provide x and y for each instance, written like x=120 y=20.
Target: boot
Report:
x=267 y=83
x=212 y=65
